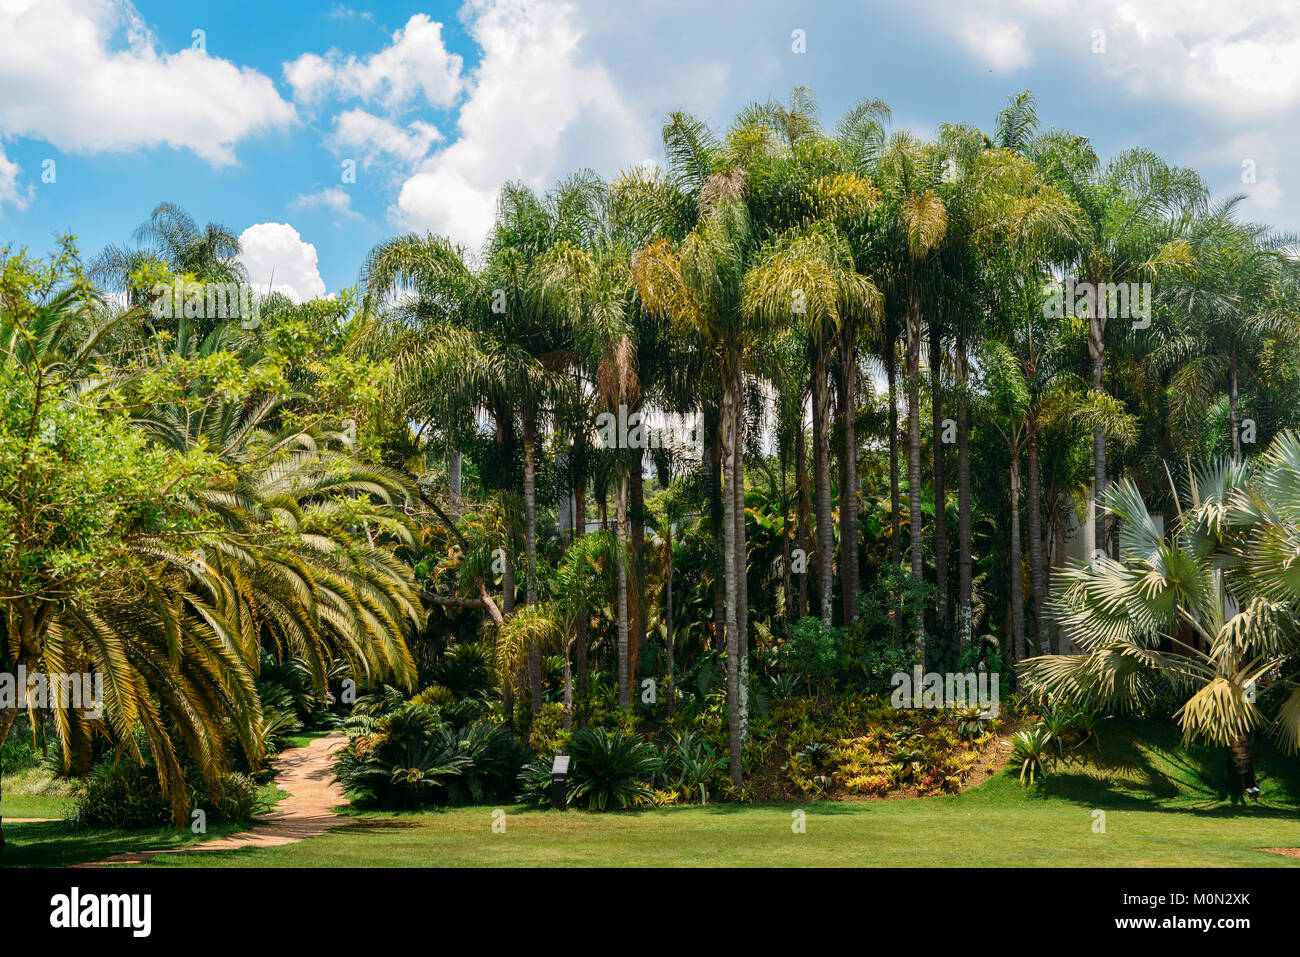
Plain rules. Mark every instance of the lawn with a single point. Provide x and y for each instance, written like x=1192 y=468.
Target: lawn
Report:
x=1160 y=802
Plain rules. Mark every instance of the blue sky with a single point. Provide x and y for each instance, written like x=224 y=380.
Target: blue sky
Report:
x=250 y=122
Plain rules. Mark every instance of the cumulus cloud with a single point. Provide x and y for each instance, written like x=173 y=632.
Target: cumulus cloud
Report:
x=278 y=260
x=534 y=103
x=1000 y=44
x=86 y=75
x=375 y=139
x=10 y=191
x=335 y=198
x=415 y=62
x=1234 y=58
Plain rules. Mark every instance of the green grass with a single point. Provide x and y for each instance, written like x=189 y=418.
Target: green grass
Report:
x=54 y=844
x=1161 y=803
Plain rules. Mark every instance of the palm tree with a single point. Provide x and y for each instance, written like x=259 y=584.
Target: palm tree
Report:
x=807 y=275
x=1212 y=608
x=1128 y=205
x=909 y=170
x=697 y=284
x=1225 y=297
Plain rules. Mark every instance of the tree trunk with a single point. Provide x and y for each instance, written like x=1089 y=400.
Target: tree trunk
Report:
x=580 y=628
x=891 y=375
x=742 y=562
x=716 y=519
x=669 y=651
x=1036 y=569
x=530 y=551
x=940 y=511
x=1234 y=422
x=727 y=424
x=1016 y=573
x=804 y=532
x=787 y=582
x=454 y=481
x=624 y=674
x=1097 y=352
x=636 y=604
x=965 y=611
x=1241 y=766
x=821 y=469
x=916 y=521
x=849 y=477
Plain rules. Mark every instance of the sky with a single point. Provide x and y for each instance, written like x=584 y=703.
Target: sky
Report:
x=316 y=130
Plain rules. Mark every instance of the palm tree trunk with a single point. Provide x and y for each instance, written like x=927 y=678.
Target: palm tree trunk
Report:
x=669 y=650
x=742 y=561
x=727 y=424
x=530 y=551
x=716 y=513
x=1016 y=574
x=1097 y=352
x=940 y=511
x=580 y=629
x=568 y=688
x=624 y=674
x=1241 y=766
x=891 y=374
x=849 y=477
x=804 y=532
x=787 y=583
x=455 y=471
x=636 y=605
x=965 y=611
x=1036 y=569
x=1233 y=412
x=821 y=469
x=916 y=522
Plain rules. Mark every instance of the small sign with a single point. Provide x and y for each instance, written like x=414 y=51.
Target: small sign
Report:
x=560 y=765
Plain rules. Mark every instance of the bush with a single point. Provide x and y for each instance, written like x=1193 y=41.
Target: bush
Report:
x=411 y=757
x=126 y=795
x=610 y=770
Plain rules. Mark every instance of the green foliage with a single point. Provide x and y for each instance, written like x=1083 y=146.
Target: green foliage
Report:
x=610 y=770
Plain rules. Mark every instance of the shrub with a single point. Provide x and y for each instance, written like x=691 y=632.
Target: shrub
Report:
x=610 y=770
x=126 y=795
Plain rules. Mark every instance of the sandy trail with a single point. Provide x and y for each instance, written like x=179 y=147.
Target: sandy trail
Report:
x=307 y=776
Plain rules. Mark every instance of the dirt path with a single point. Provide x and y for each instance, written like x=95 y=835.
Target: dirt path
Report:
x=307 y=775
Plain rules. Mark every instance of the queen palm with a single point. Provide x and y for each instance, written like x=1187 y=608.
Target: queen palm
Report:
x=1128 y=205
x=1223 y=297
x=807 y=275
x=908 y=172
x=697 y=284
x=1213 y=608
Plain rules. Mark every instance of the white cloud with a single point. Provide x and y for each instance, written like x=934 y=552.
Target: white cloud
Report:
x=536 y=108
x=10 y=192
x=278 y=260
x=998 y=43
x=374 y=138
x=335 y=198
x=67 y=80
x=416 y=61
x=1236 y=58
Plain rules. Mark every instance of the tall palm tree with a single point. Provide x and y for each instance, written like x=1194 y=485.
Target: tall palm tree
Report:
x=909 y=171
